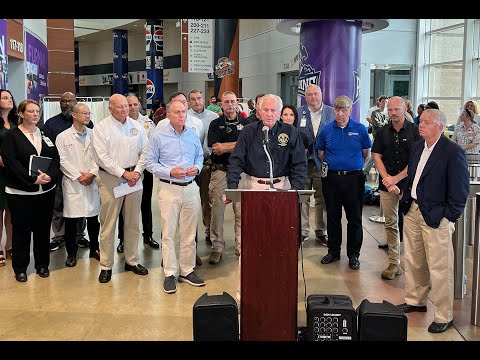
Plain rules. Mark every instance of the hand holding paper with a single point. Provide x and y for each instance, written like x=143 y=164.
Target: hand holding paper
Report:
x=124 y=188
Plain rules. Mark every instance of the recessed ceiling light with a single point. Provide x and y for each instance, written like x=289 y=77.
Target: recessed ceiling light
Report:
x=135 y=25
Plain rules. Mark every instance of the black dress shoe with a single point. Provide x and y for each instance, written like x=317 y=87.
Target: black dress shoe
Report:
x=137 y=269
x=95 y=254
x=71 y=261
x=411 y=308
x=150 y=241
x=439 y=327
x=22 y=277
x=353 y=262
x=43 y=272
x=120 y=247
x=329 y=258
x=105 y=276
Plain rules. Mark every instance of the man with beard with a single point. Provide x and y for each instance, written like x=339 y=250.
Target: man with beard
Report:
x=54 y=126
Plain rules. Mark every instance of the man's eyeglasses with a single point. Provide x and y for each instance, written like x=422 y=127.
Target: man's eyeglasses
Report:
x=84 y=113
x=64 y=101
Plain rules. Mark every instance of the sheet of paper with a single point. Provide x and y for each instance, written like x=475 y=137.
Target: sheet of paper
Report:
x=125 y=189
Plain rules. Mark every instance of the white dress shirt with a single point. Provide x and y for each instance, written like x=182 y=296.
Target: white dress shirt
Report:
x=421 y=164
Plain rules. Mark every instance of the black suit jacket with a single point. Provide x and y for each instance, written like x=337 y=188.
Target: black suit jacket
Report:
x=16 y=151
x=443 y=187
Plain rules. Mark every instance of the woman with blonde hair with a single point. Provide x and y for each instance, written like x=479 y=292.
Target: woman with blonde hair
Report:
x=467 y=133
x=472 y=105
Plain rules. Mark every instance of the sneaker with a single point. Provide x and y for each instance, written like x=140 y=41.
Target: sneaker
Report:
x=56 y=243
x=83 y=243
x=392 y=271
x=215 y=257
x=191 y=279
x=169 y=285
x=377 y=219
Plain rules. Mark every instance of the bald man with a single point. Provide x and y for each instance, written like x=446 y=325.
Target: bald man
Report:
x=120 y=145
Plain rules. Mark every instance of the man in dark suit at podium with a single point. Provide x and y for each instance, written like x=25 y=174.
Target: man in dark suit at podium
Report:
x=285 y=148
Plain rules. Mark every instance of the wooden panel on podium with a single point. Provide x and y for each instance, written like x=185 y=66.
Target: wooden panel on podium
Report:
x=269 y=275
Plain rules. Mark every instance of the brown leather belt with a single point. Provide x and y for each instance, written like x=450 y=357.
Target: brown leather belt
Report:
x=176 y=183
x=267 y=182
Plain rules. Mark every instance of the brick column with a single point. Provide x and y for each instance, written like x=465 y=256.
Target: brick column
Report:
x=61 y=60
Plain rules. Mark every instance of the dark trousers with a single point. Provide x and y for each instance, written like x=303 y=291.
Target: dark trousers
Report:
x=31 y=214
x=146 y=208
x=344 y=191
x=71 y=225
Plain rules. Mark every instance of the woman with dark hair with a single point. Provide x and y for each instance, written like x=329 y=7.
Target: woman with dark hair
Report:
x=289 y=115
x=8 y=120
x=30 y=196
x=420 y=109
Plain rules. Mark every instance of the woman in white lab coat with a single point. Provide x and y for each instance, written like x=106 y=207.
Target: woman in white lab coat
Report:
x=80 y=190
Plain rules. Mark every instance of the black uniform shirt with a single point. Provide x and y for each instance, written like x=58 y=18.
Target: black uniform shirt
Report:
x=286 y=148
x=222 y=130
x=395 y=148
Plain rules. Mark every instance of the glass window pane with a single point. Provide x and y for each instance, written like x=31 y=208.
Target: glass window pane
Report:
x=447 y=46
x=451 y=108
x=445 y=81
x=440 y=23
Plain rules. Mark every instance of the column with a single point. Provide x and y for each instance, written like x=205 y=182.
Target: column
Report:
x=226 y=56
x=154 y=60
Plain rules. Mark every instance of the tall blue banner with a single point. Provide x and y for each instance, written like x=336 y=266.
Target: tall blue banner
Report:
x=36 y=67
x=3 y=54
x=120 y=62
x=154 y=60
x=77 y=68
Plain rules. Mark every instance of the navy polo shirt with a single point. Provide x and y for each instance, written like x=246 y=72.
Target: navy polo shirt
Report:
x=344 y=147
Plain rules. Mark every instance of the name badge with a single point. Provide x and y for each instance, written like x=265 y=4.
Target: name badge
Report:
x=48 y=141
x=303 y=122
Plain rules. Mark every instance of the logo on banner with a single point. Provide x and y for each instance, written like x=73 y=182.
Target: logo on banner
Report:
x=224 y=67
x=148 y=37
x=158 y=37
x=307 y=76
x=356 y=82
x=150 y=89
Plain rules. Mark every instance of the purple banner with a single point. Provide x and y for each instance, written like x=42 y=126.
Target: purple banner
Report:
x=330 y=58
x=36 y=66
x=3 y=54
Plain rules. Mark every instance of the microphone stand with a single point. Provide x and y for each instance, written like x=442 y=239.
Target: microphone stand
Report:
x=270 y=163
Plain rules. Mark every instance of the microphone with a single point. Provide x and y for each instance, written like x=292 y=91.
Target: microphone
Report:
x=265 y=132
x=267 y=152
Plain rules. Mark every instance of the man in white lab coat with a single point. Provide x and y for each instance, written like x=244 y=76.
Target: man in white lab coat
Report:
x=80 y=190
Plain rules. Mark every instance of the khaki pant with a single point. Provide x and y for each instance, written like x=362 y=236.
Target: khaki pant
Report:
x=205 y=175
x=314 y=180
x=218 y=184
x=429 y=263
x=109 y=211
x=389 y=204
x=179 y=207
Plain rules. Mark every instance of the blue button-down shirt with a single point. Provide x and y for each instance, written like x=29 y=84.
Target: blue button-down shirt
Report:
x=168 y=149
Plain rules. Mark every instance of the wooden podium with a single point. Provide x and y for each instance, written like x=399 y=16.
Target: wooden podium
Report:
x=271 y=229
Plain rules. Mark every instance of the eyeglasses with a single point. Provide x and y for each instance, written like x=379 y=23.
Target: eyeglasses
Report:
x=65 y=101
x=84 y=113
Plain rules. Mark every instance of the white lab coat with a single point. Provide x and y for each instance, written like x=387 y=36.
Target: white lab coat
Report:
x=78 y=200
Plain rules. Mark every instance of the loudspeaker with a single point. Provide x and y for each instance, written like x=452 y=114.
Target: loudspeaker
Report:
x=381 y=322
x=331 y=318
x=215 y=317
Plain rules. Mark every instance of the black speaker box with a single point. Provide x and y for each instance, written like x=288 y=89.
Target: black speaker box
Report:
x=381 y=322
x=331 y=318
x=215 y=318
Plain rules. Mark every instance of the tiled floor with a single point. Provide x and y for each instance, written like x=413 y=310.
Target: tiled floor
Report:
x=72 y=305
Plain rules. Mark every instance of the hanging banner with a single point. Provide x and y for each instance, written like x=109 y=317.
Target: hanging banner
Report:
x=120 y=61
x=197 y=45
x=36 y=67
x=154 y=60
x=3 y=54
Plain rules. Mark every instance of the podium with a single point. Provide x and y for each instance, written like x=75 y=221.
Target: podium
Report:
x=271 y=230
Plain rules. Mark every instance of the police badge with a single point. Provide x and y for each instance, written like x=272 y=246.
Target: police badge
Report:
x=283 y=139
